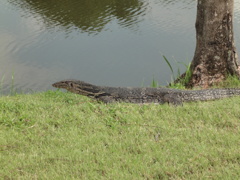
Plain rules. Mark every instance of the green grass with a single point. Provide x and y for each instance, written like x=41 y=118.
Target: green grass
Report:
x=230 y=82
x=56 y=135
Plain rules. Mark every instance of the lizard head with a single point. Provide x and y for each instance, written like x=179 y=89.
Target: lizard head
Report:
x=78 y=87
x=63 y=84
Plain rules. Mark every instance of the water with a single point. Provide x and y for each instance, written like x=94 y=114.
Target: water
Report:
x=107 y=42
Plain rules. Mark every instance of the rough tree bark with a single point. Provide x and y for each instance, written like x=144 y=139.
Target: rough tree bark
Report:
x=215 y=54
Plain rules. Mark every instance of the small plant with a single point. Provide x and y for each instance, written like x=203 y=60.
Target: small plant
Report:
x=1 y=83
x=182 y=81
x=12 y=84
x=154 y=83
x=170 y=66
x=12 y=89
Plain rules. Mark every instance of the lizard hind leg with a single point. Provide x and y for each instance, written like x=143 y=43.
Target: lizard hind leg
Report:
x=106 y=99
x=172 y=99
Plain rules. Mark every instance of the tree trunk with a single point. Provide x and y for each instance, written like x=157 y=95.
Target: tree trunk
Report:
x=215 y=55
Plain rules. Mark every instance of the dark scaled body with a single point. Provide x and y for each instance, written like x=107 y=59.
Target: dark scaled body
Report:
x=143 y=95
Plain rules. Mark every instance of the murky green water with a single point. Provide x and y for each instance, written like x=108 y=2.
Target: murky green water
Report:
x=107 y=42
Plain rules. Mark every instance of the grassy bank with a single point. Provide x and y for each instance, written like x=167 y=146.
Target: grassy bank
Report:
x=55 y=135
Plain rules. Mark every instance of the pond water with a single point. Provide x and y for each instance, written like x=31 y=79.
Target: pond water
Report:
x=107 y=42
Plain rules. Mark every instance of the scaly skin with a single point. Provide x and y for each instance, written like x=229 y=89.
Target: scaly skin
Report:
x=144 y=95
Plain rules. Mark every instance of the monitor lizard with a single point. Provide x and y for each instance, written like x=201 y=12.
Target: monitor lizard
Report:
x=144 y=95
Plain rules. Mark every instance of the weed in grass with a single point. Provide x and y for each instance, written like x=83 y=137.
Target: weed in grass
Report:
x=154 y=83
x=170 y=66
x=188 y=73
x=12 y=91
x=12 y=85
x=1 y=84
x=182 y=81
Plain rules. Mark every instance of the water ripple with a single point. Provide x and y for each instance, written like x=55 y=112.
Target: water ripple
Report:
x=88 y=16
